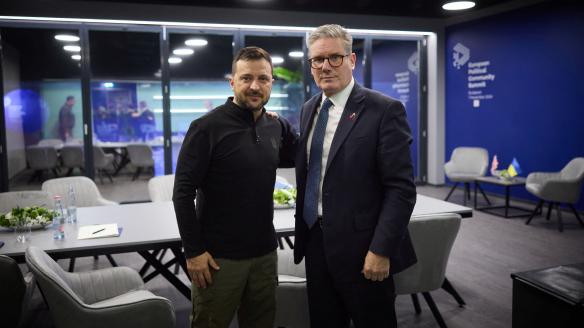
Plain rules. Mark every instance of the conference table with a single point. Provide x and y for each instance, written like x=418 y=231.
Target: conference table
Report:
x=149 y=228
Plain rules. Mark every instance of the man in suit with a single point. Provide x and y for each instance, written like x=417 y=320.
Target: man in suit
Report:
x=355 y=191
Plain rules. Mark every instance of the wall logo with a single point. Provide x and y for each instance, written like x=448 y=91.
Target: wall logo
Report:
x=414 y=63
x=461 y=55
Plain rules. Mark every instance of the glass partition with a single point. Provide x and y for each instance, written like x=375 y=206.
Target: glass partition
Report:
x=42 y=103
x=395 y=72
x=200 y=67
x=126 y=111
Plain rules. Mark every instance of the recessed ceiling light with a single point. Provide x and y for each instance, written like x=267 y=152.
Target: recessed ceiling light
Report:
x=196 y=42
x=277 y=60
x=296 y=54
x=183 y=51
x=72 y=48
x=67 y=37
x=174 y=60
x=108 y=85
x=76 y=57
x=458 y=5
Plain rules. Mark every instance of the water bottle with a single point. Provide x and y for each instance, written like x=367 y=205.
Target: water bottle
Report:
x=72 y=206
x=58 y=220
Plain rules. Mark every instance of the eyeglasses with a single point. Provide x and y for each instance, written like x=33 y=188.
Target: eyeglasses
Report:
x=334 y=61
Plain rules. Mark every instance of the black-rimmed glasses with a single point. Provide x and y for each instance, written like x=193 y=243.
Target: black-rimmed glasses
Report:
x=334 y=61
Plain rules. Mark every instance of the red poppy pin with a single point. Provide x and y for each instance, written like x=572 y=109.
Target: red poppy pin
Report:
x=352 y=116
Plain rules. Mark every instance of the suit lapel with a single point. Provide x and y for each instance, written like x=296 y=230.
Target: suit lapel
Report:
x=351 y=113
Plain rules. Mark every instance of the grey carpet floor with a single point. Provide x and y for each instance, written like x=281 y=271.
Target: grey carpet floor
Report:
x=487 y=250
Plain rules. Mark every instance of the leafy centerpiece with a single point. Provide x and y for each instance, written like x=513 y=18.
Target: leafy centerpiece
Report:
x=33 y=216
x=284 y=197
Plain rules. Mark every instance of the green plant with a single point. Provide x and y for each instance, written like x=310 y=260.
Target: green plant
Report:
x=34 y=215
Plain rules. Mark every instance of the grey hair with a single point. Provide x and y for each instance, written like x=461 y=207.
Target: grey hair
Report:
x=331 y=31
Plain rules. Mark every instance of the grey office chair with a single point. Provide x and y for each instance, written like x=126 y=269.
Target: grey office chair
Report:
x=86 y=195
x=112 y=297
x=12 y=199
x=40 y=159
x=433 y=237
x=141 y=158
x=72 y=158
x=15 y=292
x=103 y=163
x=465 y=165
x=160 y=188
x=557 y=188
x=291 y=296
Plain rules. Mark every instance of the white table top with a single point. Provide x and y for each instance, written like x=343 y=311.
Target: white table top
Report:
x=155 y=223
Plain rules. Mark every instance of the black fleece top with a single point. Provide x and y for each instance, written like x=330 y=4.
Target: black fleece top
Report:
x=228 y=162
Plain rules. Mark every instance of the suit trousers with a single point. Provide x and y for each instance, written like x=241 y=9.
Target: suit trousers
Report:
x=336 y=303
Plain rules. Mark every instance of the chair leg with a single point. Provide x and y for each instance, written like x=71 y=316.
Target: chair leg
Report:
x=111 y=260
x=137 y=173
x=69 y=172
x=560 y=221
x=434 y=310
x=447 y=286
x=535 y=211
x=483 y=193
x=416 y=303
x=466 y=192
x=576 y=214
x=451 y=191
x=72 y=264
x=549 y=211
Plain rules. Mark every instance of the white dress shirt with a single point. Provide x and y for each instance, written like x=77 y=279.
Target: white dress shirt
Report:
x=339 y=101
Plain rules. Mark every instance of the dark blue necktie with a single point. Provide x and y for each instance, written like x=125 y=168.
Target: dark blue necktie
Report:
x=315 y=165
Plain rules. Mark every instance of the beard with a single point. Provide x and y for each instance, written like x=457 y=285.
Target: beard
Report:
x=242 y=100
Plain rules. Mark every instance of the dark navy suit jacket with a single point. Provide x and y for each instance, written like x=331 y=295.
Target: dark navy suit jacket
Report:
x=368 y=191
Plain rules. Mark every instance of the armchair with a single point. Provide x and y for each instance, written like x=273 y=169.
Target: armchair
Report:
x=113 y=297
x=556 y=188
x=433 y=237
x=465 y=165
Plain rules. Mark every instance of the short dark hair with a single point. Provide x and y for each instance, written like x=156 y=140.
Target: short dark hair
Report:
x=249 y=54
x=70 y=98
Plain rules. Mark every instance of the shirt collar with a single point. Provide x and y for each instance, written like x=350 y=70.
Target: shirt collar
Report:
x=241 y=112
x=340 y=98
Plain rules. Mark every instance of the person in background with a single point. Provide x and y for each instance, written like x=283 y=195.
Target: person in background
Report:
x=144 y=118
x=67 y=119
x=355 y=191
x=228 y=162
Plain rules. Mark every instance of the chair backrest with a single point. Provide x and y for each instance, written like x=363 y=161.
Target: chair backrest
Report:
x=51 y=142
x=72 y=156
x=574 y=170
x=160 y=188
x=433 y=237
x=140 y=155
x=12 y=291
x=86 y=192
x=470 y=160
x=41 y=157
x=12 y=199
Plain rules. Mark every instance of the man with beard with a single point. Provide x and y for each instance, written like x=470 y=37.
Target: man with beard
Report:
x=228 y=162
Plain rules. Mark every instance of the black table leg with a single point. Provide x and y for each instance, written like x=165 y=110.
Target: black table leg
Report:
x=182 y=288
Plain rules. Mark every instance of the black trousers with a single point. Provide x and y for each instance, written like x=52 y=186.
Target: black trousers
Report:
x=368 y=304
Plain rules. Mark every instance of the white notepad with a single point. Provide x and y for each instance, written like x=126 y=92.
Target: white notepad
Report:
x=98 y=231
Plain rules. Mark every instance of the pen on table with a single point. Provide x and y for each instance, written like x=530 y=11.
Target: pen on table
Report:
x=100 y=230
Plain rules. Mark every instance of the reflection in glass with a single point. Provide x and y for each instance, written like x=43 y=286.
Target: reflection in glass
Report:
x=395 y=73
x=126 y=80
x=42 y=96
x=199 y=83
x=287 y=91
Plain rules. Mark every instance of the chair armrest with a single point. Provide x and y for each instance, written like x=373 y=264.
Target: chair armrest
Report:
x=449 y=167
x=541 y=177
x=134 y=309
x=98 y=285
x=291 y=305
x=562 y=191
x=105 y=202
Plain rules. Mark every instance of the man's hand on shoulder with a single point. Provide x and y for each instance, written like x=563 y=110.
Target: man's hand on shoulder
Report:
x=199 y=271
x=273 y=115
x=376 y=267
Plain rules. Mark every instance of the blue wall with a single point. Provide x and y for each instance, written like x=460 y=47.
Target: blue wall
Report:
x=530 y=105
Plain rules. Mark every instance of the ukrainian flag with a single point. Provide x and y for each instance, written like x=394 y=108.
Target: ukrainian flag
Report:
x=514 y=168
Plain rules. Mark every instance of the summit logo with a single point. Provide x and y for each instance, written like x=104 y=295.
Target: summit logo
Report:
x=460 y=54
